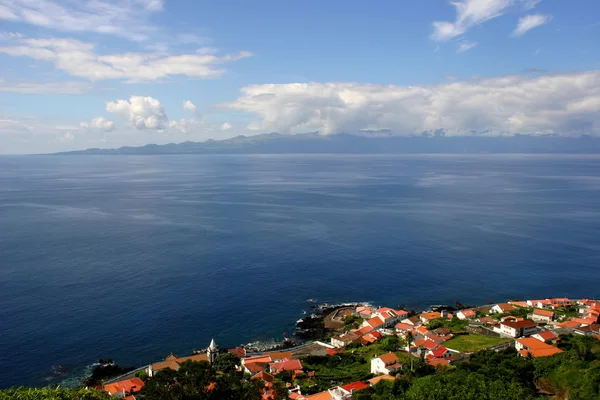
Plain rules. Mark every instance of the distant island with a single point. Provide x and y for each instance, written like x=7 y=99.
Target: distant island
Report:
x=372 y=142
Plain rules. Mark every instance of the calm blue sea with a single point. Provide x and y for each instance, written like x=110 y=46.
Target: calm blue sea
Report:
x=132 y=257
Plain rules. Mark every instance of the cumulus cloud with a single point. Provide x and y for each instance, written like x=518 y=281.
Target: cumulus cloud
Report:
x=226 y=126
x=189 y=106
x=470 y=13
x=67 y=137
x=141 y=112
x=182 y=125
x=126 y=19
x=100 y=123
x=79 y=59
x=529 y=22
x=563 y=103
x=465 y=45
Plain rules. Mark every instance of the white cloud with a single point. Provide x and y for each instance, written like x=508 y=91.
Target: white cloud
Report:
x=226 y=126
x=79 y=59
x=465 y=45
x=141 y=112
x=123 y=18
x=65 y=87
x=189 y=106
x=470 y=13
x=565 y=104
x=100 y=123
x=10 y=35
x=181 y=125
x=67 y=137
x=529 y=22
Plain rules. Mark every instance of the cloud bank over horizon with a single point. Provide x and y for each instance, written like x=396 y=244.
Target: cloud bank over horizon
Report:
x=565 y=104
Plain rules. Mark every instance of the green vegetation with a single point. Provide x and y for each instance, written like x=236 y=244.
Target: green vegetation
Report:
x=573 y=375
x=489 y=375
x=52 y=394
x=570 y=311
x=352 y=322
x=336 y=370
x=472 y=342
x=455 y=324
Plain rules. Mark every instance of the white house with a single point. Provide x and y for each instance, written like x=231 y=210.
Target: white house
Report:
x=385 y=364
x=545 y=316
x=344 y=340
x=466 y=314
x=539 y=303
x=516 y=329
x=502 y=308
x=545 y=336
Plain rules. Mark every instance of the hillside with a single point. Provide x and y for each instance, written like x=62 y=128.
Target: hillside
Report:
x=275 y=143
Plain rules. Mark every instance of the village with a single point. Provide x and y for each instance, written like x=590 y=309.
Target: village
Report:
x=381 y=344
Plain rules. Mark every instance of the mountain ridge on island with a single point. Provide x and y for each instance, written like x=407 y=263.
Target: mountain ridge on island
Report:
x=367 y=142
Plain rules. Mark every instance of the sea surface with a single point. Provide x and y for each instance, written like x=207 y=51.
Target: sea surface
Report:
x=134 y=257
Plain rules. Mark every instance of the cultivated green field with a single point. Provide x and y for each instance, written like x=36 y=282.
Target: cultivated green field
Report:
x=471 y=342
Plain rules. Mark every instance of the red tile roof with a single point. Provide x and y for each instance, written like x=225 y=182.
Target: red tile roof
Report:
x=544 y=313
x=468 y=313
x=520 y=324
x=256 y=366
x=375 y=322
x=377 y=379
x=547 y=335
x=402 y=327
x=238 y=351
x=569 y=324
x=289 y=365
x=128 y=386
x=264 y=376
x=429 y=344
x=354 y=386
x=388 y=358
x=440 y=351
x=431 y=315
x=537 y=348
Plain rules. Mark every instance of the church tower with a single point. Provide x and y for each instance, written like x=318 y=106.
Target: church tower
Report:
x=212 y=351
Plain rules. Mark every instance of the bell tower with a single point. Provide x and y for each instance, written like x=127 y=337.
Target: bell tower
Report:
x=212 y=351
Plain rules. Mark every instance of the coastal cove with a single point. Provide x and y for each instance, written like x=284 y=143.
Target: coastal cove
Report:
x=132 y=257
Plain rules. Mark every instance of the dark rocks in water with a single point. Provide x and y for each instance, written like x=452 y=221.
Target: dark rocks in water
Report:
x=105 y=371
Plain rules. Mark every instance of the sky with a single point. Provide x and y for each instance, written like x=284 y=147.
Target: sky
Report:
x=77 y=74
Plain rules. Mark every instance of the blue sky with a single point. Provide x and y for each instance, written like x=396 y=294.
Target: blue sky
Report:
x=103 y=73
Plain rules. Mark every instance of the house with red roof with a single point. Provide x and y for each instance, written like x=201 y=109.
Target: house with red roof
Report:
x=535 y=348
x=344 y=340
x=436 y=362
x=364 y=311
x=545 y=336
x=502 y=308
x=540 y=315
x=125 y=387
x=385 y=364
x=414 y=320
x=440 y=352
x=373 y=323
x=287 y=365
x=430 y=316
x=401 y=327
x=560 y=302
x=515 y=328
x=539 y=303
x=355 y=386
x=487 y=320
x=466 y=314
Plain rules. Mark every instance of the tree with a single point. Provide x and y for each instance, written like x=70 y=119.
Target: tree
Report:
x=390 y=343
x=226 y=362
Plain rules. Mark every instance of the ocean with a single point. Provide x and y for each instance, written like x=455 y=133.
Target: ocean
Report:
x=134 y=257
